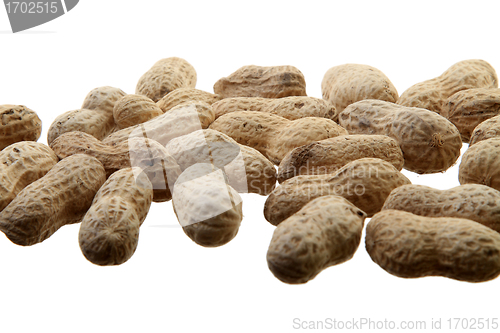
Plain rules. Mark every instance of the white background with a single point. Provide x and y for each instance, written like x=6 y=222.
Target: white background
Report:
x=171 y=284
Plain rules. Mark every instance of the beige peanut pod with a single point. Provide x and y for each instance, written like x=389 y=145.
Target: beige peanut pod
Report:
x=486 y=130
x=21 y=164
x=412 y=246
x=180 y=120
x=207 y=207
x=272 y=135
x=325 y=232
x=345 y=84
x=18 y=124
x=433 y=94
x=291 y=108
x=61 y=197
x=109 y=232
x=185 y=95
x=475 y=202
x=248 y=171
x=481 y=164
x=165 y=76
x=468 y=108
x=145 y=153
x=430 y=143
x=365 y=182
x=329 y=155
x=103 y=99
x=132 y=110
x=259 y=81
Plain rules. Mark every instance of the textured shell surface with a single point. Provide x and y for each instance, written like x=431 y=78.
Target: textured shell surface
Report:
x=21 y=164
x=165 y=76
x=480 y=164
x=486 y=130
x=207 y=207
x=133 y=109
x=430 y=143
x=180 y=120
x=325 y=232
x=186 y=95
x=475 y=202
x=468 y=108
x=61 y=197
x=329 y=155
x=345 y=84
x=109 y=232
x=433 y=94
x=412 y=246
x=272 y=135
x=19 y=123
x=365 y=182
x=103 y=99
x=259 y=81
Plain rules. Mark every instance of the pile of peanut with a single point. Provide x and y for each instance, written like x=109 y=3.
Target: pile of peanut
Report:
x=337 y=160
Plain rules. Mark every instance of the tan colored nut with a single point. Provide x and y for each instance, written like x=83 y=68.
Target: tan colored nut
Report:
x=325 y=232
x=61 y=197
x=145 y=153
x=412 y=246
x=291 y=108
x=109 y=232
x=258 y=81
x=329 y=155
x=132 y=110
x=94 y=122
x=272 y=135
x=248 y=171
x=21 y=164
x=486 y=130
x=208 y=209
x=475 y=202
x=481 y=164
x=365 y=182
x=345 y=84
x=18 y=124
x=185 y=95
x=180 y=120
x=103 y=99
x=468 y=108
x=165 y=76
x=433 y=94
x=430 y=143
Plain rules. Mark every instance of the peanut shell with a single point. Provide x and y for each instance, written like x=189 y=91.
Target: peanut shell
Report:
x=480 y=164
x=186 y=95
x=132 y=110
x=486 y=130
x=18 y=124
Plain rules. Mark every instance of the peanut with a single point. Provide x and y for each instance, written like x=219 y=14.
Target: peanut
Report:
x=480 y=164
x=180 y=120
x=186 y=95
x=132 y=110
x=345 y=84
x=433 y=94
x=291 y=108
x=329 y=155
x=109 y=232
x=468 y=108
x=429 y=142
x=475 y=202
x=272 y=135
x=61 y=197
x=258 y=81
x=325 y=232
x=21 y=164
x=412 y=246
x=248 y=171
x=165 y=76
x=486 y=130
x=365 y=182
x=103 y=99
x=208 y=209
x=18 y=124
